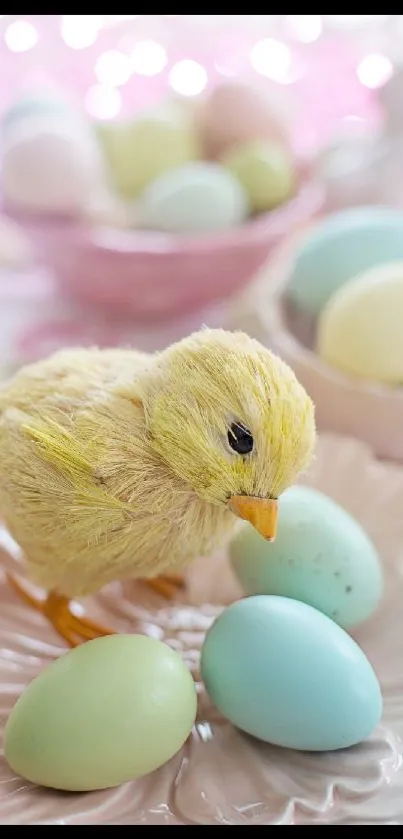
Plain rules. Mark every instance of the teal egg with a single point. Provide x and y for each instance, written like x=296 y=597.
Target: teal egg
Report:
x=321 y=556
x=340 y=247
x=196 y=198
x=286 y=674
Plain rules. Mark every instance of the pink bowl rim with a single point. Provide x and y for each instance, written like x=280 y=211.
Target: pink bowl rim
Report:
x=270 y=311
x=306 y=203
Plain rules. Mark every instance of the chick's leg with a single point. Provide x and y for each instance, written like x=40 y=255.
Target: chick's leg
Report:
x=167 y=585
x=57 y=609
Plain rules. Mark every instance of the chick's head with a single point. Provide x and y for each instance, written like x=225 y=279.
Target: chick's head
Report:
x=232 y=420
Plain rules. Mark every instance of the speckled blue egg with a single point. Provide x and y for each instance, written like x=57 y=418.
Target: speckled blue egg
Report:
x=286 y=674
x=195 y=198
x=340 y=247
x=321 y=556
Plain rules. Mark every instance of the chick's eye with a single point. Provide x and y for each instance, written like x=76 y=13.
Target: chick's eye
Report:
x=240 y=439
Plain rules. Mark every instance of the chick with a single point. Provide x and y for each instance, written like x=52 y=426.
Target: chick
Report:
x=118 y=464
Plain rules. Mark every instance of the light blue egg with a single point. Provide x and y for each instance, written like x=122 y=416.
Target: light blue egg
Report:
x=195 y=198
x=31 y=106
x=286 y=674
x=321 y=556
x=339 y=248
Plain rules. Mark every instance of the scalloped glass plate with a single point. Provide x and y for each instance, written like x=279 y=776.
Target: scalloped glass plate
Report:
x=222 y=777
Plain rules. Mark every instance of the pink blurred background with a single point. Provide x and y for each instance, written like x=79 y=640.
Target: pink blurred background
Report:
x=327 y=70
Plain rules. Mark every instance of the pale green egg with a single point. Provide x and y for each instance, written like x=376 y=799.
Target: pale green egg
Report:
x=197 y=198
x=138 y=151
x=321 y=556
x=110 y=711
x=266 y=172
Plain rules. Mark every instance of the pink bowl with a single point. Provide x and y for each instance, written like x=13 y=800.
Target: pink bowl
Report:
x=156 y=275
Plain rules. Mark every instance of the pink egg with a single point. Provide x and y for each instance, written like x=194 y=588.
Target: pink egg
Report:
x=237 y=113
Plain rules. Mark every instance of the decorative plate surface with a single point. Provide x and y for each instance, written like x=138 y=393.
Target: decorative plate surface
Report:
x=222 y=777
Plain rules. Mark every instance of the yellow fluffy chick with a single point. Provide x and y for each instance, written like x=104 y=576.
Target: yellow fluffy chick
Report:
x=117 y=464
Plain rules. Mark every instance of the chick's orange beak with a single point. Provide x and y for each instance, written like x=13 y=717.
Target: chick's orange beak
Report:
x=262 y=513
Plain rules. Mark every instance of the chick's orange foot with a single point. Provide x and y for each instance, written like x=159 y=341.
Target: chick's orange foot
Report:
x=72 y=628
x=167 y=585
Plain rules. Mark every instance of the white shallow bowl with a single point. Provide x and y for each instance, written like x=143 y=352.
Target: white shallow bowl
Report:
x=369 y=411
x=222 y=777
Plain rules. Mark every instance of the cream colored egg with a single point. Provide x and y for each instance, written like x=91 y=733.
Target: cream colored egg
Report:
x=139 y=151
x=360 y=331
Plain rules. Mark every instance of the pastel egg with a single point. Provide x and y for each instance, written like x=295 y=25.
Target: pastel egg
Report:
x=321 y=556
x=360 y=330
x=138 y=152
x=15 y=248
x=338 y=248
x=110 y=711
x=239 y=113
x=50 y=167
x=196 y=198
x=266 y=172
x=44 y=104
x=286 y=674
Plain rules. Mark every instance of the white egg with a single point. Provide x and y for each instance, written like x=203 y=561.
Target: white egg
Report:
x=50 y=167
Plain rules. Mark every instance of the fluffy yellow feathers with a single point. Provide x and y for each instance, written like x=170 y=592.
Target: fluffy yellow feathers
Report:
x=117 y=464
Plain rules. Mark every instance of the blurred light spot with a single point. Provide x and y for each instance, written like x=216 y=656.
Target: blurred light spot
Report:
x=375 y=70
x=121 y=18
x=348 y=21
x=80 y=31
x=103 y=102
x=20 y=36
x=188 y=78
x=272 y=59
x=113 y=68
x=304 y=28
x=148 y=58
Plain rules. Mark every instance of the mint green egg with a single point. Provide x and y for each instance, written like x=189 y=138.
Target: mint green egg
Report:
x=321 y=556
x=286 y=674
x=338 y=248
x=196 y=198
x=110 y=711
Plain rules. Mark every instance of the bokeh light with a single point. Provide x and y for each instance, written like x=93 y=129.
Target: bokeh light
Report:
x=21 y=36
x=80 y=31
x=349 y=21
x=148 y=58
x=375 y=70
x=113 y=68
x=103 y=102
x=188 y=78
x=272 y=59
x=304 y=28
